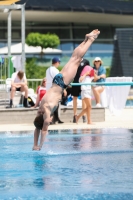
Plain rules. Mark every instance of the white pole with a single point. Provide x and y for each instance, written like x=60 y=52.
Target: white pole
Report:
x=23 y=35
x=9 y=41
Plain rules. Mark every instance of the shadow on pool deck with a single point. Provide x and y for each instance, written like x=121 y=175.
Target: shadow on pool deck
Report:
x=125 y=120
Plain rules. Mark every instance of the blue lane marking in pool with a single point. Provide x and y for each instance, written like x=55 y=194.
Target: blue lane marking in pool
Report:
x=72 y=165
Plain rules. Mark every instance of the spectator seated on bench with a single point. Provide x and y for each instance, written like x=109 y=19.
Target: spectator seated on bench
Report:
x=18 y=83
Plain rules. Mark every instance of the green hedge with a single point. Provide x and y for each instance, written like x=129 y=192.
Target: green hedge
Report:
x=108 y=71
x=33 y=71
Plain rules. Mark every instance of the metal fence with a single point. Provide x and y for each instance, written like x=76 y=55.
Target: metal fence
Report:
x=32 y=83
x=4 y=68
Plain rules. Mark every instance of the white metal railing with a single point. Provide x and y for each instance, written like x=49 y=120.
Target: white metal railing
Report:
x=32 y=83
x=4 y=68
x=2 y=84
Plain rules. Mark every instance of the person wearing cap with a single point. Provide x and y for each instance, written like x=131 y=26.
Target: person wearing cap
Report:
x=53 y=96
x=51 y=72
x=100 y=75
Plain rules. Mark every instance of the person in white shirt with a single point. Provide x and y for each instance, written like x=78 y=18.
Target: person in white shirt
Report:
x=51 y=72
x=86 y=77
x=18 y=83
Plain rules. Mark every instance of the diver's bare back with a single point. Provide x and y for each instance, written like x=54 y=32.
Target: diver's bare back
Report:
x=51 y=99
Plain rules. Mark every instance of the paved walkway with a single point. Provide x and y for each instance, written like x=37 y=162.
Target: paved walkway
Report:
x=125 y=120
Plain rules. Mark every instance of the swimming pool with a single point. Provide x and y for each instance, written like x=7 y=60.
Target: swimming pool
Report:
x=72 y=165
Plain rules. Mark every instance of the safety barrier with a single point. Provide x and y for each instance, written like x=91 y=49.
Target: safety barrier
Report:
x=33 y=83
x=104 y=83
x=4 y=98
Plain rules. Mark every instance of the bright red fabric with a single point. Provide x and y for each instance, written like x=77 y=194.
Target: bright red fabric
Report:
x=86 y=69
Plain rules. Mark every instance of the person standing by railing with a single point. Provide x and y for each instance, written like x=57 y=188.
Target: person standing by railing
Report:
x=76 y=90
x=86 y=76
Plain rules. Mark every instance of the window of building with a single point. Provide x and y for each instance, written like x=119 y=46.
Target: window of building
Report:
x=79 y=33
x=66 y=46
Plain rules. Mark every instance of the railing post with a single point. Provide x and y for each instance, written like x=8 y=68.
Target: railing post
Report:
x=9 y=41
x=23 y=35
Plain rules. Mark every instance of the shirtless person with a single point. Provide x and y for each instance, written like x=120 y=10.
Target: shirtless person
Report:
x=51 y=99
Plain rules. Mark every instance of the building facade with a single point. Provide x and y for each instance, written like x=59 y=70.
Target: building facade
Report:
x=71 y=20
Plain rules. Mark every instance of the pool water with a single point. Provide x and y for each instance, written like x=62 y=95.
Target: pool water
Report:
x=129 y=103
x=92 y=164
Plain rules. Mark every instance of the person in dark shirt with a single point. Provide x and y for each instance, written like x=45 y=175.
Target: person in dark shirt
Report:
x=76 y=90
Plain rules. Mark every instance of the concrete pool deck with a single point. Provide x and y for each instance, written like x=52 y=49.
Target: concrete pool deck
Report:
x=124 y=120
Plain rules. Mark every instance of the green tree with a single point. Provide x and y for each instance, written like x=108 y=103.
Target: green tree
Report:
x=34 y=71
x=42 y=40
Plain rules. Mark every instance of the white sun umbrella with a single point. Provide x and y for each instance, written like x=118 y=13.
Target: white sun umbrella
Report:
x=17 y=49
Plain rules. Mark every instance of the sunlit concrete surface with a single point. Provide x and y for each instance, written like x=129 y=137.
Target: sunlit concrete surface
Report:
x=124 y=120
